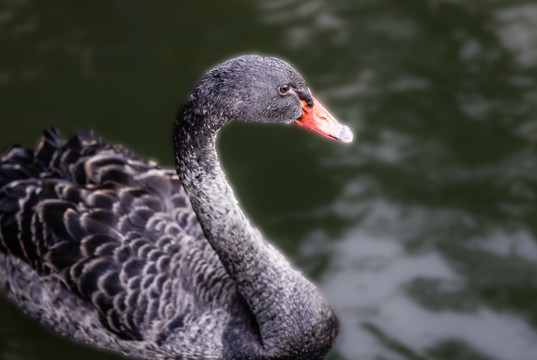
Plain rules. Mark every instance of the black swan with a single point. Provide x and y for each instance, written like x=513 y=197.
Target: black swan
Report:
x=110 y=250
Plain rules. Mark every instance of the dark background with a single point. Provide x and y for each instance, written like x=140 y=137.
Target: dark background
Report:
x=422 y=233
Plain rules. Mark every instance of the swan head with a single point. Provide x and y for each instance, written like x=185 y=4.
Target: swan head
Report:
x=263 y=89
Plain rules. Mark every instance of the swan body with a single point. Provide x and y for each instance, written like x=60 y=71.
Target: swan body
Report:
x=112 y=251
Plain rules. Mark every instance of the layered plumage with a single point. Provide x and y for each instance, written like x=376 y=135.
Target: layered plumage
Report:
x=110 y=250
x=113 y=234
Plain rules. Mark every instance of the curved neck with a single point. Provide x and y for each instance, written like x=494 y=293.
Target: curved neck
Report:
x=224 y=224
x=272 y=289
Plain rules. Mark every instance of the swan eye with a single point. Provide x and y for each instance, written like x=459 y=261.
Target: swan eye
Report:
x=284 y=89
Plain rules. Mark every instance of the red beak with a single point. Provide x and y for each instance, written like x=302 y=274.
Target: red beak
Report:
x=318 y=119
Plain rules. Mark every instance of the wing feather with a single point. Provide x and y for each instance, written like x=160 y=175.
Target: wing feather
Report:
x=116 y=230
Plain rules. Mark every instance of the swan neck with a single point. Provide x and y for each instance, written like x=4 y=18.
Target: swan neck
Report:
x=223 y=222
x=265 y=279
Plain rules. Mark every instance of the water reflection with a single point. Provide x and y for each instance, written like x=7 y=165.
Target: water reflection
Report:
x=393 y=285
x=439 y=258
x=422 y=233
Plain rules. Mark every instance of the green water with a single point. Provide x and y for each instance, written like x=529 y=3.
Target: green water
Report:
x=422 y=233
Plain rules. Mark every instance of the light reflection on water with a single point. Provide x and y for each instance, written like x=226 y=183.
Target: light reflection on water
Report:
x=390 y=293
x=421 y=233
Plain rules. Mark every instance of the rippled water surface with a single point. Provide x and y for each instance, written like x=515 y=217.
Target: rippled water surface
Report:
x=422 y=233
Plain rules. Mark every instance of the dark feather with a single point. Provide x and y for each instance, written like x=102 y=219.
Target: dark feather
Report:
x=79 y=211
x=52 y=213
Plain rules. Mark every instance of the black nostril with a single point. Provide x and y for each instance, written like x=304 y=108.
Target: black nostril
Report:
x=306 y=96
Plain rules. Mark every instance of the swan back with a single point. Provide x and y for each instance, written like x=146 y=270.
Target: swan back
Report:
x=109 y=228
